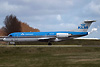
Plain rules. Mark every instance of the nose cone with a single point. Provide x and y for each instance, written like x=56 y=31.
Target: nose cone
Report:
x=4 y=39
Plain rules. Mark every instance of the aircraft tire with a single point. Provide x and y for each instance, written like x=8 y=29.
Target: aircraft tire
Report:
x=49 y=43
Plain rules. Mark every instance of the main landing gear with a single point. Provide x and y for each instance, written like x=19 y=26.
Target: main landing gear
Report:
x=49 y=43
x=12 y=43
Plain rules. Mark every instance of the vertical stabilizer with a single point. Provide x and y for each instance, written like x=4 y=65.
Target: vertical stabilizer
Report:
x=83 y=27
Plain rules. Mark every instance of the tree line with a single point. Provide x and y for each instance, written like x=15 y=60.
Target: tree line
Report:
x=12 y=24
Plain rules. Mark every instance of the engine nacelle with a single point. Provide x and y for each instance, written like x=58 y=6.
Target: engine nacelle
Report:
x=63 y=34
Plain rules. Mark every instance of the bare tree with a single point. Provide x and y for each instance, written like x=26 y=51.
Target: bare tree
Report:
x=12 y=24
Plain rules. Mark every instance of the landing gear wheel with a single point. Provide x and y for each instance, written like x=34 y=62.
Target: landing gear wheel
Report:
x=12 y=43
x=49 y=43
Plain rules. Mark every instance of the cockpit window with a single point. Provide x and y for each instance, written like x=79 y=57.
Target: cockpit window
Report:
x=10 y=35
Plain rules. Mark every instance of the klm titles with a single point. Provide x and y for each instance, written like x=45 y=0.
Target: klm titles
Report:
x=83 y=26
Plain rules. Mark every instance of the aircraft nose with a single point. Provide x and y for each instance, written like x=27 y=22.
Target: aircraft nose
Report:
x=4 y=39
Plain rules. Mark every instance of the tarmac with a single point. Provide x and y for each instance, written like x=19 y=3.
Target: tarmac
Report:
x=49 y=45
x=40 y=45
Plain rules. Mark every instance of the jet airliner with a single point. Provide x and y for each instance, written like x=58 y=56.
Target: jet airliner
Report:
x=49 y=37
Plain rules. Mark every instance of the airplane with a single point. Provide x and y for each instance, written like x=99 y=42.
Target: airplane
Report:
x=49 y=37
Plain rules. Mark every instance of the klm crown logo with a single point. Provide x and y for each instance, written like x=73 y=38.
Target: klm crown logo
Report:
x=83 y=26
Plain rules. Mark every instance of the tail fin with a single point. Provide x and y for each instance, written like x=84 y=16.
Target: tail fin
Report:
x=83 y=27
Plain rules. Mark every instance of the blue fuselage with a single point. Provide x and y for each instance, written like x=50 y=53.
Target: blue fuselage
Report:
x=22 y=34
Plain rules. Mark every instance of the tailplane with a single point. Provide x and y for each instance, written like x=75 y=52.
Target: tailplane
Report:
x=83 y=27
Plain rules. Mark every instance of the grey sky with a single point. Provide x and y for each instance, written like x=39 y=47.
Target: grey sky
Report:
x=53 y=15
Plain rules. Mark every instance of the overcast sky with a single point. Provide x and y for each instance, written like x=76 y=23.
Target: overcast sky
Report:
x=53 y=15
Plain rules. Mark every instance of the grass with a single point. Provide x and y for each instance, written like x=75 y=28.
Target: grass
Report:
x=50 y=57
x=68 y=42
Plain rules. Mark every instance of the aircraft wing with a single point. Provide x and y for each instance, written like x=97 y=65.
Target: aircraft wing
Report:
x=46 y=39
